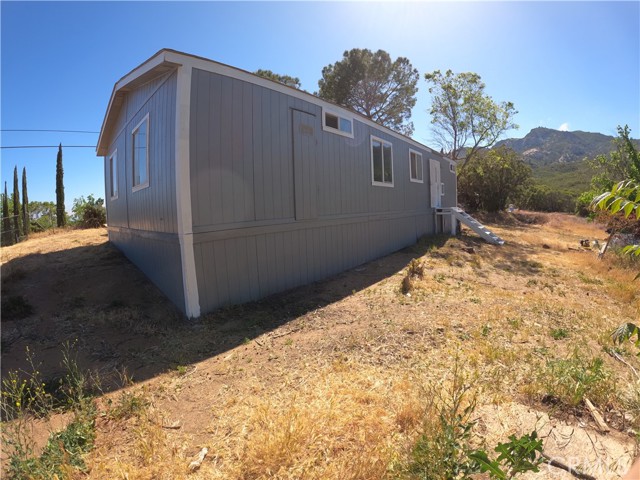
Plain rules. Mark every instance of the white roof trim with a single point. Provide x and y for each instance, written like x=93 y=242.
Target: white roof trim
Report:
x=159 y=59
x=173 y=57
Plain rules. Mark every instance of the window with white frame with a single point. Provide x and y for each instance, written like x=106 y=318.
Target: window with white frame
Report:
x=113 y=175
x=381 y=162
x=336 y=123
x=415 y=166
x=140 y=146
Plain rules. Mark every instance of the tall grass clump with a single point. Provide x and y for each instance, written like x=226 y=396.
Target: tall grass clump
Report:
x=568 y=381
x=448 y=449
x=25 y=398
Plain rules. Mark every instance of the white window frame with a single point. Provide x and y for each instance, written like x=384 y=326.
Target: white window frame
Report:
x=140 y=186
x=113 y=174
x=451 y=169
x=418 y=154
x=373 y=181
x=340 y=116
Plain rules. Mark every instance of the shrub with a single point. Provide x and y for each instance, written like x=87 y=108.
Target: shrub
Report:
x=543 y=199
x=569 y=380
x=89 y=212
x=583 y=203
x=491 y=179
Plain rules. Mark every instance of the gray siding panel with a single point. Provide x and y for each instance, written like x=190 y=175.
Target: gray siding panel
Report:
x=276 y=200
x=144 y=250
x=153 y=208
x=249 y=157
x=244 y=268
x=279 y=202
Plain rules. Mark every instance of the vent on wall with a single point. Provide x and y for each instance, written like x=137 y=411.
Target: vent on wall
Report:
x=306 y=129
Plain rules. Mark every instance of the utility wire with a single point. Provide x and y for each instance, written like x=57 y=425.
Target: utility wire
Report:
x=53 y=131
x=49 y=146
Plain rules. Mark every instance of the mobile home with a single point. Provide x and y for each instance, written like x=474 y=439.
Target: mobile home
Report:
x=225 y=187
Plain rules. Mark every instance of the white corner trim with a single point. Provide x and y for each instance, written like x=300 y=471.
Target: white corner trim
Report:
x=183 y=193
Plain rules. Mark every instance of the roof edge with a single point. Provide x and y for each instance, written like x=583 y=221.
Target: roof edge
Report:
x=166 y=57
x=159 y=59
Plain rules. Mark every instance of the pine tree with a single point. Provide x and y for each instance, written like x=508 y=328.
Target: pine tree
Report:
x=6 y=221
x=60 y=190
x=26 y=224
x=16 y=205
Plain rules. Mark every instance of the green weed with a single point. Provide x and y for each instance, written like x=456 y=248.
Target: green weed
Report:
x=24 y=396
x=569 y=380
x=588 y=279
x=64 y=452
x=445 y=449
x=486 y=330
x=442 y=451
x=129 y=405
x=559 y=333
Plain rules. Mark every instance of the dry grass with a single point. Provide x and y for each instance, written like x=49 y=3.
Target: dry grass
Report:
x=344 y=390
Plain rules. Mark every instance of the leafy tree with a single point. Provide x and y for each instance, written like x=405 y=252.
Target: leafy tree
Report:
x=16 y=203
x=375 y=86
x=491 y=178
x=465 y=119
x=7 y=237
x=43 y=214
x=60 y=213
x=623 y=198
x=26 y=223
x=276 y=77
x=89 y=212
x=620 y=164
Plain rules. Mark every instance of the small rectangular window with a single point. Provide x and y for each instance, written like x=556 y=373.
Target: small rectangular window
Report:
x=113 y=175
x=345 y=125
x=381 y=162
x=140 y=143
x=330 y=121
x=335 y=123
x=415 y=166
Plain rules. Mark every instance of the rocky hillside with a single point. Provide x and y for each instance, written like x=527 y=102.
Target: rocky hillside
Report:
x=545 y=146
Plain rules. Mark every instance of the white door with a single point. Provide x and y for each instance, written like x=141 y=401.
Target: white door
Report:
x=436 y=184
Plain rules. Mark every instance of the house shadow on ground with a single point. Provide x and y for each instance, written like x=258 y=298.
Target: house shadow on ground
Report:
x=93 y=303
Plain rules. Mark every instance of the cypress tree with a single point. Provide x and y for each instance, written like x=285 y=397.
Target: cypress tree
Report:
x=16 y=205
x=60 y=190
x=26 y=224
x=6 y=222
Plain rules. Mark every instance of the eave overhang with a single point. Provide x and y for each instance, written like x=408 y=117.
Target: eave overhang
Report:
x=162 y=62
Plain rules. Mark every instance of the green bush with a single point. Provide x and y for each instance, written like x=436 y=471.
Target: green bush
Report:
x=89 y=212
x=583 y=203
x=569 y=380
x=543 y=199
x=491 y=179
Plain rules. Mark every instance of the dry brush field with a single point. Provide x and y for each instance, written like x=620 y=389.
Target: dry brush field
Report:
x=341 y=378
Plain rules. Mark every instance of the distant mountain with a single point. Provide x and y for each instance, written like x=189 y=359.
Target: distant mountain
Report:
x=545 y=146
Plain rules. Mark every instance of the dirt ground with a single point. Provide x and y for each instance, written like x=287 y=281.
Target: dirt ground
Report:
x=342 y=365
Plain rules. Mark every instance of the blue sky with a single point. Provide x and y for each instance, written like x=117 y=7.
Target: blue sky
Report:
x=574 y=65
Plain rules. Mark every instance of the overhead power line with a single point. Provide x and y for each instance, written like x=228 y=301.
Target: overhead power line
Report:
x=49 y=146
x=52 y=131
